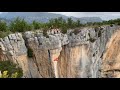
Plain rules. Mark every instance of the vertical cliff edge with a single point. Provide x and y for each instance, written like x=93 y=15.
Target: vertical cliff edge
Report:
x=91 y=53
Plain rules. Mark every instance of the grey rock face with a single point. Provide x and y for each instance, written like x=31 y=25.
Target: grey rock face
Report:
x=80 y=54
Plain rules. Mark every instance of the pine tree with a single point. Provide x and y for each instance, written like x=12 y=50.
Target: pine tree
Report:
x=3 y=26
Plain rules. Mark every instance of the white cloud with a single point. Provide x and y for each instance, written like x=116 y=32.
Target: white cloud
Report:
x=3 y=12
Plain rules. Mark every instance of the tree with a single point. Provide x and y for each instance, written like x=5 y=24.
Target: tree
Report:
x=64 y=29
x=60 y=22
x=51 y=23
x=56 y=23
x=3 y=26
x=69 y=22
x=78 y=23
x=36 y=25
x=19 y=25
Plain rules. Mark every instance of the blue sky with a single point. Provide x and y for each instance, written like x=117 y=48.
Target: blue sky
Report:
x=103 y=15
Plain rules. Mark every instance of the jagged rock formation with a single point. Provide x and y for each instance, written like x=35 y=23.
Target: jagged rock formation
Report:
x=61 y=55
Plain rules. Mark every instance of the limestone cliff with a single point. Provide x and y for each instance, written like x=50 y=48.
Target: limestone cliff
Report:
x=111 y=59
x=64 y=55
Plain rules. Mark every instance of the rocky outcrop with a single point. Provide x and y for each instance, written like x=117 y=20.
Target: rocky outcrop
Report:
x=59 y=55
x=111 y=59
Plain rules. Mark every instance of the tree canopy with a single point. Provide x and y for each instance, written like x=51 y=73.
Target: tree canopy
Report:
x=20 y=25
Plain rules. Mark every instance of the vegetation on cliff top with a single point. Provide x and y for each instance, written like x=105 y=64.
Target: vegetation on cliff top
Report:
x=20 y=25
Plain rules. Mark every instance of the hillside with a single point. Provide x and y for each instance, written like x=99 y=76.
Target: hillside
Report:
x=44 y=16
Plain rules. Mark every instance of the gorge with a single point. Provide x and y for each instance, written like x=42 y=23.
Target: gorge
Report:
x=91 y=53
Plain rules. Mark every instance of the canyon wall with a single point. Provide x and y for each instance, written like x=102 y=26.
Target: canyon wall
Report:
x=85 y=55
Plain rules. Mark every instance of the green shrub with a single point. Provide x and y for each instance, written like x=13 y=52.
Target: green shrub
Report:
x=29 y=27
x=4 y=34
x=76 y=31
x=64 y=29
x=6 y=75
x=96 y=28
x=30 y=52
x=11 y=69
x=45 y=33
x=36 y=25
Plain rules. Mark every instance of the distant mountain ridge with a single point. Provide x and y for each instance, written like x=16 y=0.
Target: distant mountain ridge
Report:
x=90 y=19
x=44 y=17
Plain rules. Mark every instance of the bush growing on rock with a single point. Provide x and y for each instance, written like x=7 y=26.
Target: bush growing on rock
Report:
x=76 y=31
x=3 y=34
x=3 y=29
x=10 y=70
x=6 y=75
x=45 y=33
x=64 y=29
x=30 y=52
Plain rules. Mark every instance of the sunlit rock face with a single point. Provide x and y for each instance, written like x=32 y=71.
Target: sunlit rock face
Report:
x=82 y=55
x=111 y=59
